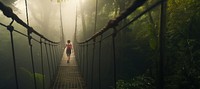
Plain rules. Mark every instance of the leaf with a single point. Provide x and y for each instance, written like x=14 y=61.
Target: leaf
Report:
x=152 y=43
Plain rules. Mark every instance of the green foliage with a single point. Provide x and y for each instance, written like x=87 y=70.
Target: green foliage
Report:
x=183 y=44
x=140 y=42
x=152 y=43
x=139 y=82
x=30 y=76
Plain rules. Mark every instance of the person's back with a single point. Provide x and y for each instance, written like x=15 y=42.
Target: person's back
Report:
x=68 y=50
x=69 y=47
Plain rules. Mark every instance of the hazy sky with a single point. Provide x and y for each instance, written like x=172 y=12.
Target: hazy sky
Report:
x=44 y=16
x=68 y=15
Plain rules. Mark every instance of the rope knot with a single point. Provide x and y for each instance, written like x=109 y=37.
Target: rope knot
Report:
x=10 y=28
x=29 y=37
x=40 y=40
x=114 y=32
x=112 y=23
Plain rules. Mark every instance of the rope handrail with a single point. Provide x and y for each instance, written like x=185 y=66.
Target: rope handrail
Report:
x=7 y=11
x=120 y=29
x=113 y=23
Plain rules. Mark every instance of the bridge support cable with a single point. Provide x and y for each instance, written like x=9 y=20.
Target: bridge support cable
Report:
x=48 y=61
x=77 y=53
x=3 y=25
x=54 y=61
x=81 y=58
x=58 y=55
x=59 y=52
x=87 y=62
x=114 y=57
x=100 y=45
x=42 y=64
x=83 y=61
x=81 y=55
x=11 y=28
x=54 y=56
x=32 y=59
x=92 y=71
x=51 y=60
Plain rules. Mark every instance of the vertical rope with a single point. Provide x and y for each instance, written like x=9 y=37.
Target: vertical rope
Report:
x=100 y=62
x=42 y=63
x=84 y=59
x=78 y=53
x=32 y=60
x=58 y=55
x=114 y=57
x=93 y=51
x=51 y=60
x=54 y=54
x=48 y=61
x=81 y=58
x=59 y=52
x=87 y=60
x=11 y=28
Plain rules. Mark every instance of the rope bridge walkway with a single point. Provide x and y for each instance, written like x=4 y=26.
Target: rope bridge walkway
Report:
x=68 y=76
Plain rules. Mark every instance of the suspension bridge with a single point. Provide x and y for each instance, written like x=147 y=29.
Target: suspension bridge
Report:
x=93 y=63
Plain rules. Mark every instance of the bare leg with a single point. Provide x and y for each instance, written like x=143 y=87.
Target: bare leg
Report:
x=68 y=58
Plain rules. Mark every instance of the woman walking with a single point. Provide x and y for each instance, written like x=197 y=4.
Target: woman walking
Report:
x=68 y=50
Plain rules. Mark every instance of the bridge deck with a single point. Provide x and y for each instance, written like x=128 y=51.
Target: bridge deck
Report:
x=68 y=76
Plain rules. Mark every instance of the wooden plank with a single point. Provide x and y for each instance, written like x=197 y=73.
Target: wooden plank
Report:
x=68 y=76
